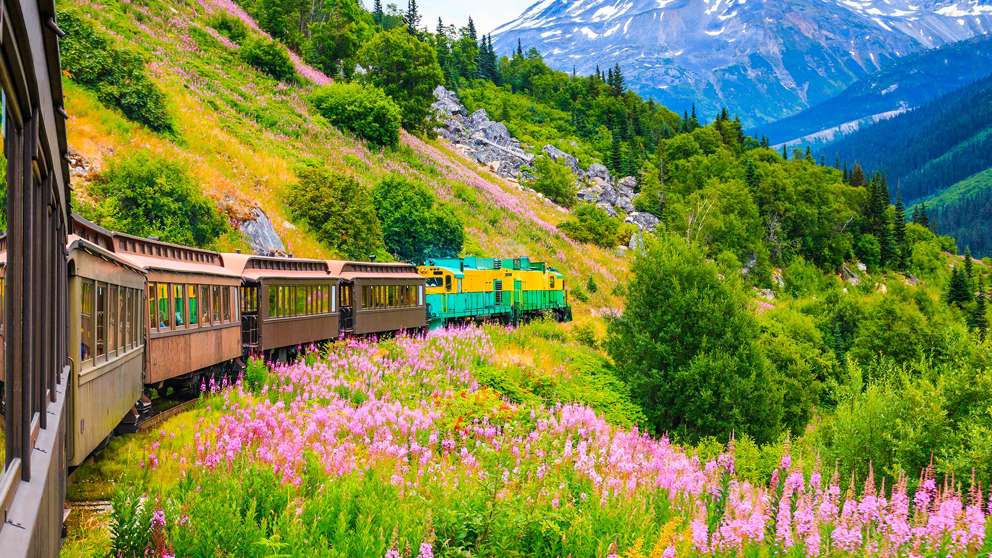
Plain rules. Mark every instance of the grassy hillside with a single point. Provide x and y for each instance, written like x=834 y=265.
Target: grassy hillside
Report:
x=241 y=133
x=963 y=210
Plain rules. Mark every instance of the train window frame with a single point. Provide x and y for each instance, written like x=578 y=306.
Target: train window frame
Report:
x=179 y=308
x=112 y=348
x=226 y=295
x=334 y=296
x=215 y=304
x=87 y=340
x=101 y=316
x=121 y=315
x=137 y=324
x=192 y=306
x=447 y=283
x=128 y=317
x=151 y=293
x=163 y=306
x=204 y=302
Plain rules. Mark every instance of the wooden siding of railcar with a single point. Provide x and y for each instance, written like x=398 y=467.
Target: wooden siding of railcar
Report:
x=104 y=388
x=386 y=320
x=278 y=333
x=176 y=353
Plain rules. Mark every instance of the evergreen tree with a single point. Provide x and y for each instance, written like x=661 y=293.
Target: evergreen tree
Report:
x=764 y=142
x=751 y=175
x=969 y=264
x=978 y=320
x=857 y=175
x=958 y=292
x=616 y=157
x=412 y=17
x=785 y=152
x=809 y=154
x=924 y=219
x=899 y=233
x=377 y=14
x=519 y=53
x=916 y=214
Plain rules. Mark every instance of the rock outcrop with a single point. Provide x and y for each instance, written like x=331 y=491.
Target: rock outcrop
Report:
x=261 y=235
x=490 y=143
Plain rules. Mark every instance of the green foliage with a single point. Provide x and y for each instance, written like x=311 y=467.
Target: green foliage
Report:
x=338 y=210
x=147 y=195
x=363 y=110
x=334 y=39
x=117 y=76
x=406 y=69
x=130 y=518
x=268 y=57
x=414 y=226
x=593 y=225
x=229 y=26
x=553 y=179
x=687 y=347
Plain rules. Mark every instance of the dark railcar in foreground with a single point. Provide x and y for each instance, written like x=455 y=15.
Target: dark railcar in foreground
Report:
x=32 y=480
x=285 y=302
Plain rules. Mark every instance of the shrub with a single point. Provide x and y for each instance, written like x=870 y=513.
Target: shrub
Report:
x=553 y=179
x=406 y=68
x=363 y=110
x=117 y=76
x=338 y=210
x=593 y=225
x=686 y=345
x=147 y=195
x=268 y=57
x=414 y=227
x=229 y=26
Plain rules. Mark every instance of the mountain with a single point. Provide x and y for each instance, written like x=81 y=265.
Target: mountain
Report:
x=763 y=59
x=940 y=154
x=907 y=83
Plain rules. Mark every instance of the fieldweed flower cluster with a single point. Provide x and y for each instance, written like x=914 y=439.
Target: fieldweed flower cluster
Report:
x=412 y=410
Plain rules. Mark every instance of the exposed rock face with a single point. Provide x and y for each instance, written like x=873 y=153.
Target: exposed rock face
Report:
x=490 y=143
x=262 y=236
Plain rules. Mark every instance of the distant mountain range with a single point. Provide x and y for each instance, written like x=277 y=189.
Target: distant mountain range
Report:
x=763 y=59
x=907 y=83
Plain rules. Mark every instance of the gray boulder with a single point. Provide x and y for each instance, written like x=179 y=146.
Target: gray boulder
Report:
x=644 y=221
x=446 y=103
x=597 y=170
x=560 y=156
x=261 y=235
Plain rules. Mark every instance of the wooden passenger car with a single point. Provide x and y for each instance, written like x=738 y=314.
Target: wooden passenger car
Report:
x=192 y=322
x=380 y=297
x=285 y=302
x=106 y=344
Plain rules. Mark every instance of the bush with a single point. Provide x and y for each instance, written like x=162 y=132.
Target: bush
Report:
x=593 y=225
x=406 y=69
x=686 y=345
x=363 y=110
x=553 y=179
x=414 y=227
x=147 y=195
x=229 y=26
x=268 y=57
x=117 y=76
x=338 y=210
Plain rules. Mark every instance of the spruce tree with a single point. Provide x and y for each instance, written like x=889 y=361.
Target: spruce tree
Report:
x=958 y=292
x=978 y=320
x=809 y=154
x=751 y=178
x=377 y=14
x=616 y=157
x=899 y=233
x=412 y=17
x=785 y=152
x=858 y=175
x=519 y=53
x=924 y=219
x=916 y=214
x=969 y=264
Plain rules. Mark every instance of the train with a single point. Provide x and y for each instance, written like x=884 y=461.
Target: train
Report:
x=146 y=314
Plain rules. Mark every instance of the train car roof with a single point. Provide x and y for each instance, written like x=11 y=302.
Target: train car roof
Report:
x=76 y=242
x=356 y=270
x=256 y=267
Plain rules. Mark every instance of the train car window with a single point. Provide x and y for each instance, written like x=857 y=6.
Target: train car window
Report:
x=459 y=285
x=215 y=303
x=346 y=297
x=101 y=319
x=551 y=283
x=194 y=310
x=273 y=301
x=179 y=303
x=434 y=282
x=138 y=322
x=152 y=289
x=128 y=301
x=334 y=298
x=86 y=320
x=162 y=300
x=112 y=306
x=420 y=295
x=122 y=318
x=204 y=302
x=227 y=304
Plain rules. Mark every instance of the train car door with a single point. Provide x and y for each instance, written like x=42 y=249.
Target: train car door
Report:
x=346 y=307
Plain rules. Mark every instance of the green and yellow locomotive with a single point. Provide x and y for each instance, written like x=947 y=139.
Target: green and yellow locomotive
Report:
x=493 y=289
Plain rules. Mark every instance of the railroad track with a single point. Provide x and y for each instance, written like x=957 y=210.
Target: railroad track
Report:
x=163 y=415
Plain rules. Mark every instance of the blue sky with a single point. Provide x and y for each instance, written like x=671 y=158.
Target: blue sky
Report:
x=486 y=15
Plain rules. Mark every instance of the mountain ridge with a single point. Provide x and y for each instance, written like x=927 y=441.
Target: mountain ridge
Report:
x=763 y=60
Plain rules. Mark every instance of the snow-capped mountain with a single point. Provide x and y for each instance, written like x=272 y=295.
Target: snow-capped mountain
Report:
x=764 y=59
